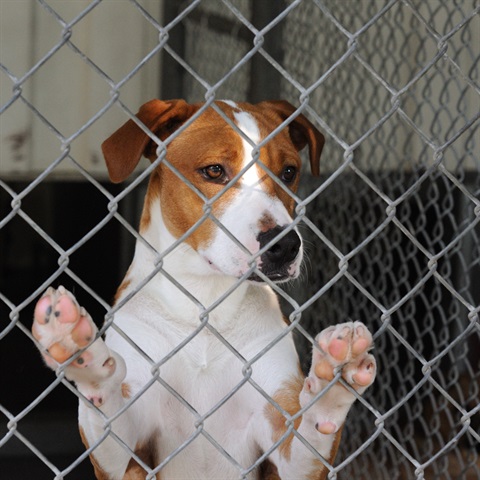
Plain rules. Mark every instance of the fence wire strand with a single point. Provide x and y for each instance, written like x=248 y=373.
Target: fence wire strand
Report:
x=391 y=229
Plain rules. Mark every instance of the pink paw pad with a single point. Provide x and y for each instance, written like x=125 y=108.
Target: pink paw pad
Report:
x=43 y=310
x=82 y=333
x=338 y=349
x=96 y=400
x=365 y=372
x=345 y=346
x=62 y=327
x=83 y=360
x=65 y=310
x=327 y=428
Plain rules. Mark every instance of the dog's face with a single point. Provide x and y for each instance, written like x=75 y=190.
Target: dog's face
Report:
x=239 y=206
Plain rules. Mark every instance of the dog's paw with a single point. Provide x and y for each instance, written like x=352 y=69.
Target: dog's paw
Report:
x=346 y=347
x=63 y=328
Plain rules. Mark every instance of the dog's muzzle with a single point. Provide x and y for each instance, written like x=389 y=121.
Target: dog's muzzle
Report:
x=277 y=260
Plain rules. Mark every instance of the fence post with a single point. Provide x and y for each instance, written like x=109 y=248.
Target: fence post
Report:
x=172 y=73
x=265 y=80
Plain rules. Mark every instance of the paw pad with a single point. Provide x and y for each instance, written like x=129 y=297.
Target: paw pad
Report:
x=62 y=327
x=327 y=428
x=342 y=347
x=96 y=400
x=345 y=346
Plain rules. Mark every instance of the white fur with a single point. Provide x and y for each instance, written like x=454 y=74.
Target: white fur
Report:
x=188 y=395
x=247 y=124
x=241 y=218
x=159 y=318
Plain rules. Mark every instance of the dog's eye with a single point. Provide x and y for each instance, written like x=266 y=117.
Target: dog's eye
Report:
x=214 y=172
x=289 y=174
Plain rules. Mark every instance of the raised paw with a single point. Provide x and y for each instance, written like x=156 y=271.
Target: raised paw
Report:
x=343 y=347
x=63 y=328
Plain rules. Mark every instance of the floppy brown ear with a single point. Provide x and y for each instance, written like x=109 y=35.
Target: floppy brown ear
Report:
x=302 y=132
x=124 y=148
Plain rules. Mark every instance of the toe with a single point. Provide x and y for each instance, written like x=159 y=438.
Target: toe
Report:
x=66 y=310
x=324 y=370
x=360 y=346
x=338 y=349
x=362 y=339
x=59 y=353
x=327 y=428
x=365 y=373
x=345 y=345
x=43 y=310
x=82 y=333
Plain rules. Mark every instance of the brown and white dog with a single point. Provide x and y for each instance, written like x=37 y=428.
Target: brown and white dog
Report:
x=199 y=375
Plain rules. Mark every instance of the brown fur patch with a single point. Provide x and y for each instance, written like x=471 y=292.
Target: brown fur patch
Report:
x=319 y=471
x=266 y=223
x=151 y=195
x=123 y=286
x=209 y=140
x=277 y=154
x=288 y=398
x=146 y=452
x=268 y=471
x=126 y=390
x=99 y=472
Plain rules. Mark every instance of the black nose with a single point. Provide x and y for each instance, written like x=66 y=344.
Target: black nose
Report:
x=284 y=251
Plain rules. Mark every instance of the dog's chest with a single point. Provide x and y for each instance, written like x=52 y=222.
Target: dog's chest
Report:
x=203 y=398
x=205 y=355
x=205 y=370
x=212 y=403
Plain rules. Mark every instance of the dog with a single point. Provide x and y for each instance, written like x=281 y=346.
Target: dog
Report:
x=198 y=376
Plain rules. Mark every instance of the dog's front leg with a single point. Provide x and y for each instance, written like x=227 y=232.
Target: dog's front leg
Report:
x=63 y=329
x=344 y=346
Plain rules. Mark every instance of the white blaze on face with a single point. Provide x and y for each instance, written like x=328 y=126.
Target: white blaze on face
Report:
x=247 y=124
x=242 y=216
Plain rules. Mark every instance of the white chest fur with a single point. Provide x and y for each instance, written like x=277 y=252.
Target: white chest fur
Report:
x=202 y=395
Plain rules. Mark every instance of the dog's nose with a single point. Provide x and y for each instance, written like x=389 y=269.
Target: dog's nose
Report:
x=284 y=251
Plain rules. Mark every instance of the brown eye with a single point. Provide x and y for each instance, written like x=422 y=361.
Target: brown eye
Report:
x=289 y=174
x=213 y=172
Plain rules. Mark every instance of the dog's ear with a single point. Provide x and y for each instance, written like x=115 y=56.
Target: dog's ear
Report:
x=302 y=132
x=124 y=148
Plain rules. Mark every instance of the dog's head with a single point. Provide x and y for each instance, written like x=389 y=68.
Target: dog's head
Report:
x=242 y=209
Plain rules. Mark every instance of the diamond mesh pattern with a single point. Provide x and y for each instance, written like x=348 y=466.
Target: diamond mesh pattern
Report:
x=392 y=228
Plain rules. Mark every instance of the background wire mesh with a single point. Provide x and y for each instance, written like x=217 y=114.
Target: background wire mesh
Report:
x=392 y=227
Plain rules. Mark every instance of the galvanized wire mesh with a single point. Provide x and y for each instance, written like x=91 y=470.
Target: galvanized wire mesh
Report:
x=392 y=229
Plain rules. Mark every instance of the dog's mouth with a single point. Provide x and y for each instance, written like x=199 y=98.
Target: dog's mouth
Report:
x=280 y=262
x=284 y=274
x=280 y=274
x=275 y=277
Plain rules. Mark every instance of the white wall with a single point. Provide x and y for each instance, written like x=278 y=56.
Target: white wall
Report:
x=65 y=90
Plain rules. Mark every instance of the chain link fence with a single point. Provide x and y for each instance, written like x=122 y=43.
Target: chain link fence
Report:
x=391 y=228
